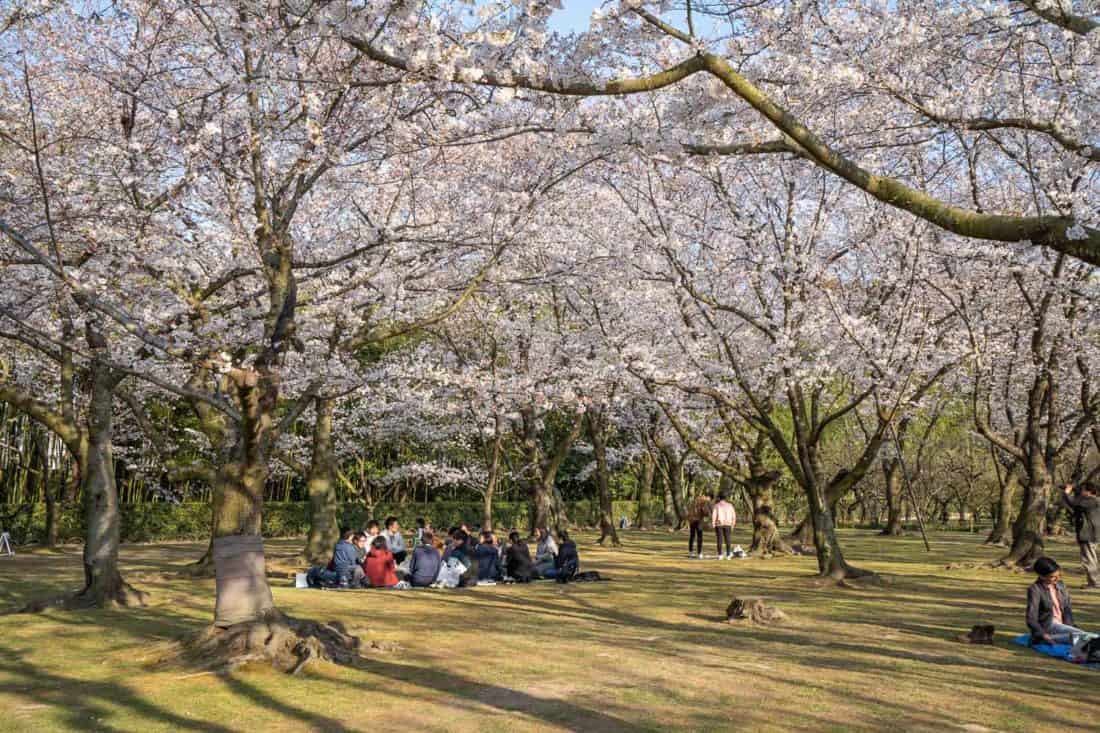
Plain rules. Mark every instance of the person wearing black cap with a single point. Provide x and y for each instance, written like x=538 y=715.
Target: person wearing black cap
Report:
x=1049 y=611
x=1086 y=522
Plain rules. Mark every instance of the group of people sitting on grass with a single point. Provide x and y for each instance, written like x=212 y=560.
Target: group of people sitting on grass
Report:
x=375 y=558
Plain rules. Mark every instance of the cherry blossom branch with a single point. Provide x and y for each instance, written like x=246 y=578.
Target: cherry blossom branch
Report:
x=1055 y=12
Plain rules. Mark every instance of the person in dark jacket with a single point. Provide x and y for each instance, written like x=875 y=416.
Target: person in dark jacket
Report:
x=425 y=562
x=345 y=558
x=517 y=560
x=567 y=563
x=461 y=551
x=1086 y=522
x=488 y=559
x=1049 y=611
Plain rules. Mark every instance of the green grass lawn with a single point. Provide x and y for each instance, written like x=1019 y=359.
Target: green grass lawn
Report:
x=648 y=651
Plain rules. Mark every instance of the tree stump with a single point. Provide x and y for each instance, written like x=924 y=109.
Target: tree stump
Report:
x=755 y=611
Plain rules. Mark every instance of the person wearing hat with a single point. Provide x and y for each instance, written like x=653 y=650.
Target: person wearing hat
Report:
x=1049 y=611
x=1086 y=523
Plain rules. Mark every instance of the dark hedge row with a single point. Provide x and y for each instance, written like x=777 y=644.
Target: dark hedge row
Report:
x=158 y=522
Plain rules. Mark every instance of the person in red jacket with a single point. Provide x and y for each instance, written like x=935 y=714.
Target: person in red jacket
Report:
x=379 y=565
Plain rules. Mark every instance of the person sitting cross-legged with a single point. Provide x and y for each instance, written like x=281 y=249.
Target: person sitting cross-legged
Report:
x=425 y=562
x=379 y=565
x=345 y=558
x=488 y=559
x=395 y=541
x=1049 y=610
x=517 y=560
x=546 y=553
x=567 y=562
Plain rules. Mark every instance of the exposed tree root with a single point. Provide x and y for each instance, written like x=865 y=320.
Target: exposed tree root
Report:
x=201 y=568
x=854 y=579
x=121 y=595
x=287 y=644
x=755 y=611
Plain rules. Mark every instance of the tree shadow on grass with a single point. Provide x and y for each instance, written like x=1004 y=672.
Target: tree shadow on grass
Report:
x=548 y=709
x=86 y=705
x=256 y=695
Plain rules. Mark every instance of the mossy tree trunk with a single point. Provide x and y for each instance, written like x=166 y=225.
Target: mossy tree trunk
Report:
x=324 y=531
x=541 y=471
x=496 y=453
x=645 y=491
x=1002 y=512
x=597 y=433
x=891 y=469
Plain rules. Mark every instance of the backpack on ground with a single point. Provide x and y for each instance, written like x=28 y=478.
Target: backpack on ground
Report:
x=321 y=577
x=567 y=572
x=1086 y=650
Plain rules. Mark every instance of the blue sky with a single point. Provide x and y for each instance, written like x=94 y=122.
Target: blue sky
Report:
x=574 y=16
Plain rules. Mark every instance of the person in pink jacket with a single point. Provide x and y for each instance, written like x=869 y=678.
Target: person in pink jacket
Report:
x=723 y=517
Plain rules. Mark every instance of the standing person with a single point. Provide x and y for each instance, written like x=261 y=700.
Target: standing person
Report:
x=1086 y=521
x=1049 y=611
x=723 y=517
x=395 y=541
x=546 y=553
x=697 y=513
x=425 y=562
x=379 y=565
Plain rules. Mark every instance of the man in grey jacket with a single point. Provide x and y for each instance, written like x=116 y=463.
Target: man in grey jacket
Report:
x=1086 y=521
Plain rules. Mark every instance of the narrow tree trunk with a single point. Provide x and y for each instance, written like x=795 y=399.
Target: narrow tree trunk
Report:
x=491 y=483
x=324 y=532
x=49 y=491
x=603 y=482
x=645 y=492
x=668 y=510
x=892 y=471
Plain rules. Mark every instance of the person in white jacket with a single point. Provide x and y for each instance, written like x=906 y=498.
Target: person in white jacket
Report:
x=723 y=517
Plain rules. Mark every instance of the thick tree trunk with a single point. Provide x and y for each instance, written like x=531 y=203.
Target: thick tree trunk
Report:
x=830 y=558
x=547 y=508
x=1027 y=530
x=324 y=531
x=103 y=584
x=892 y=474
x=243 y=594
x=765 y=534
x=645 y=491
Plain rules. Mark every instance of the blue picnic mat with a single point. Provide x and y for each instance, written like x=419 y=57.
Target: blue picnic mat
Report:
x=1058 y=651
